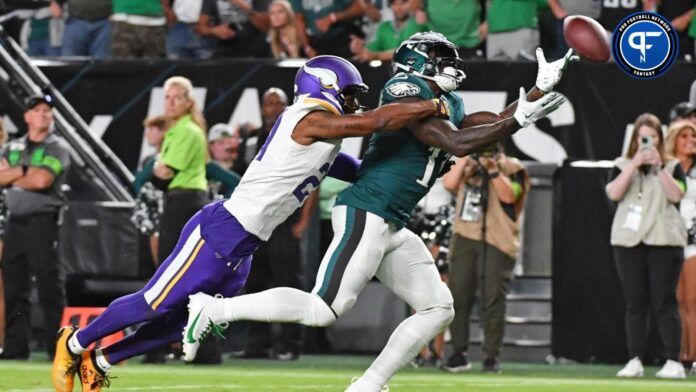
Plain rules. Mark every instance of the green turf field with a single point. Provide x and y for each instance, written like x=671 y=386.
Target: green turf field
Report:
x=333 y=373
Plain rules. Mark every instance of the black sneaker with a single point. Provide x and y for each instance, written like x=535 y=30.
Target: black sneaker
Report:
x=491 y=365
x=458 y=362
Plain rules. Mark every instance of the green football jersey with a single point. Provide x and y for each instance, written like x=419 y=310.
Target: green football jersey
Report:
x=398 y=169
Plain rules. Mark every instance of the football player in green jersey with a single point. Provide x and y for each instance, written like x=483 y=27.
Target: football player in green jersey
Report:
x=368 y=221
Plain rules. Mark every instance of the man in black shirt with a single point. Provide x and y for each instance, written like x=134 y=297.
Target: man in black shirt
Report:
x=238 y=27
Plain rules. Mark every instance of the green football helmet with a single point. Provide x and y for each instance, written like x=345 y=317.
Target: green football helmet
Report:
x=430 y=56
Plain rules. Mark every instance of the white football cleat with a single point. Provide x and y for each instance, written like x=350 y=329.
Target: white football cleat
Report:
x=671 y=369
x=357 y=385
x=199 y=324
x=633 y=369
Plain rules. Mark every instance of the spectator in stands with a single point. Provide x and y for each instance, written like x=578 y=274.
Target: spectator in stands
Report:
x=614 y=11
x=680 y=13
x=325 y=26
x=237 y=26
x=182 y=40
x=223 y=147
x=45 y=34
x=87 y=29
x=491 y=189
x=277 y=262
x=372 y=15
x=683 y=111
x=680 y=144
x=561 y=9
x=459 y=21
x=648 y=236
x=138 y=29
x=390 y=34
x=155 y=129
x=273 y=103
x=180 y=168
x=282 y=35
x=512 y=30
x=36 y=167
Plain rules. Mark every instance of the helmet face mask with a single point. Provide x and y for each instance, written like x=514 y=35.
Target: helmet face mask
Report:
x=350 y=98
x=431 y=56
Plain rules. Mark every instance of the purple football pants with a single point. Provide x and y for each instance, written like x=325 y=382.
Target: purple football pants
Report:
x=161 y=306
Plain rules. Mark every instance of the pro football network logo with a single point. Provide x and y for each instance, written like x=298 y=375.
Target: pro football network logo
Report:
x=645 y=45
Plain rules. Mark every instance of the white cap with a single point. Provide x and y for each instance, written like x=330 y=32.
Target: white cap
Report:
x=219 y=131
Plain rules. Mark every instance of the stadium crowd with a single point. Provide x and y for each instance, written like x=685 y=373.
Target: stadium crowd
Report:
x=361 y=30
x=365 y=31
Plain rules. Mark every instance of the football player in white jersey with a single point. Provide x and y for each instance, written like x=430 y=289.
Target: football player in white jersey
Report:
x=214 y=251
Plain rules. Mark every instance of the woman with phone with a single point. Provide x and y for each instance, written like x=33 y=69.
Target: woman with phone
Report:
x=648 y=236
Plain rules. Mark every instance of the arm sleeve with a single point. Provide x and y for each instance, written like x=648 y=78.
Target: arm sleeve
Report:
x=344 y=168
x=56 y=159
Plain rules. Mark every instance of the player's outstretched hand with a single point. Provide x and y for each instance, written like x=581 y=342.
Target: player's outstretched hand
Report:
x=549 y=74
x=529 y=112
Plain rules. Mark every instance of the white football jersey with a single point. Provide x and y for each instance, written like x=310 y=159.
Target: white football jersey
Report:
x=283 y=174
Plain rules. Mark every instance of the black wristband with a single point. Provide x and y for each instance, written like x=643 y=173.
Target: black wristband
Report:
x=25 y=169
x=493 y=175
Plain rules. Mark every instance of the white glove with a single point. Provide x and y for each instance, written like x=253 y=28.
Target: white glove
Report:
x=549 y=74
x=529 y=112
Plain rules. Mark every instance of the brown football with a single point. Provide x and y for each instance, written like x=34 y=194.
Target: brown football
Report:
x=587 y=37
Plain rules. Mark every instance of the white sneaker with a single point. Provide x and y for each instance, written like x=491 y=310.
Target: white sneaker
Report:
x=199 y=324
x=633 y=369
x=358 y=386
x=671 y=369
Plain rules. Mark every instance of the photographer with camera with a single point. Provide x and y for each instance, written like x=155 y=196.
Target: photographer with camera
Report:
x=491 y=189
x=648 y=236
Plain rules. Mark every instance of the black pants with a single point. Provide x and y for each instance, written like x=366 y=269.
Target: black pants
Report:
x=30 y=250
x=649 y=276
x=276 y=264
x=179 y=206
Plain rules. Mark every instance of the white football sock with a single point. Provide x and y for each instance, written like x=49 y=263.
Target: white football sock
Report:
x=74 y=345
x=279 y=305
x=405 y=342
x=101 y=360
